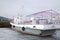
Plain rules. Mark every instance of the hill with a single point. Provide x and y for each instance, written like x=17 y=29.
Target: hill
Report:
x=4 y=22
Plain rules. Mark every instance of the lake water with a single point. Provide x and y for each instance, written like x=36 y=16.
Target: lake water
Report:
x=8 y=34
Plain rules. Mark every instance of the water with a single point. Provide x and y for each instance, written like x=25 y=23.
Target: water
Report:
x=8 y=34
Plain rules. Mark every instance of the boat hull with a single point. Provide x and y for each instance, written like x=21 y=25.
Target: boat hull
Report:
x=36 y=32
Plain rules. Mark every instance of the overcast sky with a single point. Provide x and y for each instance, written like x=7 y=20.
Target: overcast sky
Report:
x=10 y=8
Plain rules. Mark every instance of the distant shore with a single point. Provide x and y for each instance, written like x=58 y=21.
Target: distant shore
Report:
x=5 y=24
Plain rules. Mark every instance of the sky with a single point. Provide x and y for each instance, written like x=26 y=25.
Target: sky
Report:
x=11 y=8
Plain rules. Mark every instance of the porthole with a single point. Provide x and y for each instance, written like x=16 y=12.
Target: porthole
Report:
x=23 y=28
x=34 y=26
x=13 y=26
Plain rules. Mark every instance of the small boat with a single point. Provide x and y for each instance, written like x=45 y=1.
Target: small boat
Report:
x=33 y=26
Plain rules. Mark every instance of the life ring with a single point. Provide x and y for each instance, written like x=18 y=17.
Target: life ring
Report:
x=23 y=28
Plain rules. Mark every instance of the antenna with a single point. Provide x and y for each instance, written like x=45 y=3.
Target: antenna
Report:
x=21 y=9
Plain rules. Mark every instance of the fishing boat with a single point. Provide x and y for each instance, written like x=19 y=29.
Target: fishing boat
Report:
x=33 y=26
x=43 y=23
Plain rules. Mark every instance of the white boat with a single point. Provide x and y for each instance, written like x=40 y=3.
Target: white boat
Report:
x=33 y=27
